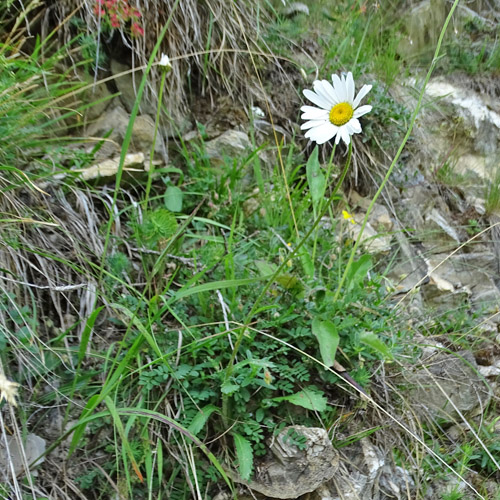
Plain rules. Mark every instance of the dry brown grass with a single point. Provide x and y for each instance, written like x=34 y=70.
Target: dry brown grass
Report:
x=207 y=39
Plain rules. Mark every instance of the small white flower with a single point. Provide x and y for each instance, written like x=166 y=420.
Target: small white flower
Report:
x=165 y=62
x=338 y=112
x=8 y=390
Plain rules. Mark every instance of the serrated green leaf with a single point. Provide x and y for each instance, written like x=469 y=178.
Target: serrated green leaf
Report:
x=375 y=343
x=309 y=398
x=201 y=418
x=328 y=337
x=228 y=388
x=265 y=268
x=173 y=199
x=315 y=177
x=244 y=453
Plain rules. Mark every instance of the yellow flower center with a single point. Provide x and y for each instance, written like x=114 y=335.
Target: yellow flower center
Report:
x=341 y=113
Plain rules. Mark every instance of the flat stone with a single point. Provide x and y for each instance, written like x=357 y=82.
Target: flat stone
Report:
x=372 y=241
x=12 y=455
x=277 y=476
x=359 y=474
x=463 y=277
x=116 y=120
x=445 y=384
x=232 y=144
x=482 y=122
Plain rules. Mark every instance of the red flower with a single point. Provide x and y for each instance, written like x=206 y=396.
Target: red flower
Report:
x=136 y=30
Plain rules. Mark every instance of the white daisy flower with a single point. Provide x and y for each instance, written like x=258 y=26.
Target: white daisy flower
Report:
x=338 y=112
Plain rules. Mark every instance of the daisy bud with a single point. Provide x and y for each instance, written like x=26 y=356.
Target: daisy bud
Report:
x=165 y=62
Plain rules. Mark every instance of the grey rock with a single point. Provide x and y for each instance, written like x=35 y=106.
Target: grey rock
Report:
x=13 y=452
x=99 y=95
x=444 y=384
x=461 y=277
x=379 y=217
x=143 y=134
x=372 y=241
x=232 y=143
x=434 y=220
x=408 y=274
x=423 y=25
x=288 y=472
x=127 y=83
x=172 y=126
x=441 y=488
x=481 y=122
x=359 y=474
x=116 y=121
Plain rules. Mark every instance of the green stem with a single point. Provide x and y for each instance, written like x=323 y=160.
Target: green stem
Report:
x=128 y=137
x=330 y=163
x=248 y=319
x=398 y=153
x=151 y=155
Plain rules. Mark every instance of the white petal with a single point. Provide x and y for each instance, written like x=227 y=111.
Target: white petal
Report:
x=339 y=88
x=322 y=91
x=354 y=126
x=362 y=110
x=327 y=87
x=337 y=139
x=311 y=113
x=313 y=123
x=345 y=135
x=364 y=90
x=322 y=134
x=350 y=87
x=317 y=99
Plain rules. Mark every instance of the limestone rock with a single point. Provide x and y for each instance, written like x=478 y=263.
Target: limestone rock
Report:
x=482 y=123
x=445 y=384
x=143 y=133
x=379 y=217
x=423 y=23
x=288 y=471
x=232 y=143
x=12 y=455
x=362 y=469
x=116 y=121
x=133 y=162
x=460 y=277
x=98 y=94
x=372 y=241
x=127 y=82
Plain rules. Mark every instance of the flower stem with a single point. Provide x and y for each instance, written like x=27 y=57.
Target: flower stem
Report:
x=151 y=155
x=399 y=151
x=248 y=319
